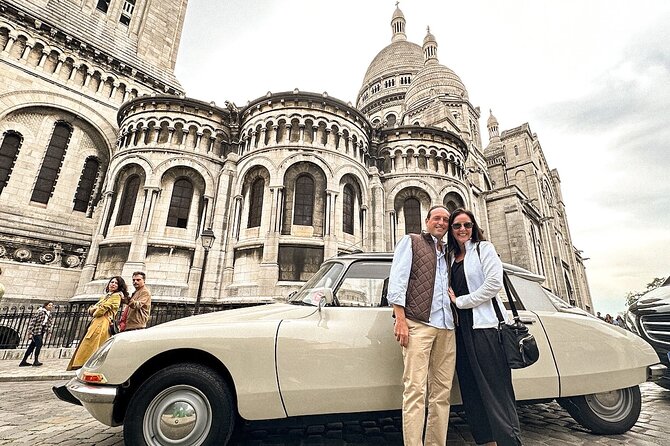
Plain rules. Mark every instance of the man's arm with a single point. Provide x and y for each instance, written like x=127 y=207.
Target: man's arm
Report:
x=398 y=279
x=141 y=299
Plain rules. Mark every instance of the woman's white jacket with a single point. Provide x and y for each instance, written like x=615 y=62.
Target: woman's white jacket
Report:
x=484 y=274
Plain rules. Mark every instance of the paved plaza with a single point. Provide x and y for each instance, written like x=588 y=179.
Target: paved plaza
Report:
x=31 y=415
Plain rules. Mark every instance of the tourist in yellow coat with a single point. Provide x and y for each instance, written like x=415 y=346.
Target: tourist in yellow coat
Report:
x=103 y=312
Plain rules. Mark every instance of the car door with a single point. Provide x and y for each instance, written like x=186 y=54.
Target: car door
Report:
x=343 y=358
x=540 y=380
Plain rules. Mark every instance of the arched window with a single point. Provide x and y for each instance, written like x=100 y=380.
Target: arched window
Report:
x=256 y=203
x=9 y=151
x=412 y=211
x=46 y=180
x=304 y=201
x=180 y=203
x=348 y=209
x=128 y=199
x=453 y=201
x=89 y=176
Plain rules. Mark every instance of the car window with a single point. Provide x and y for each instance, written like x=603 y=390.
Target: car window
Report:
x=364 y=284
x=531 y=294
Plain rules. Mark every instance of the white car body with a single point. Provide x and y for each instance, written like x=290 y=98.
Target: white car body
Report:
x=307 y=358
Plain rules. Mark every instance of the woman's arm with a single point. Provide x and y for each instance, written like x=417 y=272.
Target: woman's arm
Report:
x=108 y=305
x=493 y=278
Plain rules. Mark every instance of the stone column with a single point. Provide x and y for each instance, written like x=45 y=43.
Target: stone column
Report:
x=26 y=52
x=43 y=59
x=10 y=43
x=237 y=217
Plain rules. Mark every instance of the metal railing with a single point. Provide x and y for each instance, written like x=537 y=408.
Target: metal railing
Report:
x=71 y=321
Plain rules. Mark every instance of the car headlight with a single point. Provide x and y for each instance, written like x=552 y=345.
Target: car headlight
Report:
x=98 y=358
x=631 y=322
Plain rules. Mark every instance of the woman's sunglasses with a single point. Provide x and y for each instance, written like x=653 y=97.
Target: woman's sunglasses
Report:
x=466 y=225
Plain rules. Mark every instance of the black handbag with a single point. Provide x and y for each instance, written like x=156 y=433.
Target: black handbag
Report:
x=517 y=342
x=114 y=322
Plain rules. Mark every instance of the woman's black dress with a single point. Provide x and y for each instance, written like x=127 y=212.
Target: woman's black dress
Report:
x=483 y=374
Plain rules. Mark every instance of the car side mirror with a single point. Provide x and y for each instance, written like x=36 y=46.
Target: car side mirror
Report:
x=325 y=297
x=320 y=296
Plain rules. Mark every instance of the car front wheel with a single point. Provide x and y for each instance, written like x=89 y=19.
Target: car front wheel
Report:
x=184 y=404
x=608 y=413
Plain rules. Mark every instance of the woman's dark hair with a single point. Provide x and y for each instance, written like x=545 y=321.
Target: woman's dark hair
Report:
x=123 y=288
x=477 y=233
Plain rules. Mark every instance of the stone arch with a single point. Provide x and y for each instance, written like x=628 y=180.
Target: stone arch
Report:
x=453 y=200
x=257 y=161
x=184 y=162
x=123 y=164
x=12 y=101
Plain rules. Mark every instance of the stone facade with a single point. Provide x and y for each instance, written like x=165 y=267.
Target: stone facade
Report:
x=286 y=181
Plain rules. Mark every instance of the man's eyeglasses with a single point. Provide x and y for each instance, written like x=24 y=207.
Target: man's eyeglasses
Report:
x=466 y=225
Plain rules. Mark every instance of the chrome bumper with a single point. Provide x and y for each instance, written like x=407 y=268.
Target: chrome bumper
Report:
x=98 y=400
x=655 y=372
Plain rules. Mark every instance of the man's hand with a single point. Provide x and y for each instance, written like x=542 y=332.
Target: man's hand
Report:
x=401 y=331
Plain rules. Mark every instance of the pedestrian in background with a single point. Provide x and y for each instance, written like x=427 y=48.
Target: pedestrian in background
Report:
x=39 y=327
x=103 y=313
x=476 y=278
x=138 y=307
x=424 y=327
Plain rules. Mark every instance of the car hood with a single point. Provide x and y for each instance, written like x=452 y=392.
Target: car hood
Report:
x=655 y=301
x=271 y=312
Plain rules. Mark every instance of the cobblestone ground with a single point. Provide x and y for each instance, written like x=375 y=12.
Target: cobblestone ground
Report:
x=31 y=415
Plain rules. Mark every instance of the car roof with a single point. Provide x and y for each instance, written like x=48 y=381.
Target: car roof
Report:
x=509 y=268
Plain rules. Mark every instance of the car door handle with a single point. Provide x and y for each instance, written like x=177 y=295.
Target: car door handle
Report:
x=527 y=319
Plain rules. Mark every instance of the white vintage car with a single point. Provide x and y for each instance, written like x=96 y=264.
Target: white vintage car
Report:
x=330 y=349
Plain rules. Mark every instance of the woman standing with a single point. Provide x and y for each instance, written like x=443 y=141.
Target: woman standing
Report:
x=103 y=313
x=483 y=374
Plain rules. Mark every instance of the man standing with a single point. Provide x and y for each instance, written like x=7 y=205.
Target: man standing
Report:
x=424 y=327
x=38 y=328
x=138 y=306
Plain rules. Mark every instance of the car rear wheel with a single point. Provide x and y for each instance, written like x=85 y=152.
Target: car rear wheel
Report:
x=184 y=404
x=609 y=413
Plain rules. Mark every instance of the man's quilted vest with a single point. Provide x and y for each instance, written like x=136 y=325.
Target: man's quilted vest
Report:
x=421 y=285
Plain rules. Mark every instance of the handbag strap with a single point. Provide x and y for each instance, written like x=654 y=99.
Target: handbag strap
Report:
x=512 y=295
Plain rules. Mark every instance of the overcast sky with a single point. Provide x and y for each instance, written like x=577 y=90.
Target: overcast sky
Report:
x=592 y=78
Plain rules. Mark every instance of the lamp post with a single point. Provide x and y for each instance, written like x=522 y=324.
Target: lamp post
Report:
x=207 y=239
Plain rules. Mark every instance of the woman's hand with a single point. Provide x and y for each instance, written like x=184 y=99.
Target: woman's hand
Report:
x=452 y=295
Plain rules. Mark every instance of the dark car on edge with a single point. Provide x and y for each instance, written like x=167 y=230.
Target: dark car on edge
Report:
x=649 y=317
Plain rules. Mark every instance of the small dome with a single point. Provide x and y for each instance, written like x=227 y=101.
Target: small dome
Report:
x=434 y=80
x=492 y=121
x=400 y=56
x=397 y=14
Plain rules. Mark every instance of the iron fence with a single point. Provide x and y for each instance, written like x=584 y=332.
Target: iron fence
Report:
x=71 y=321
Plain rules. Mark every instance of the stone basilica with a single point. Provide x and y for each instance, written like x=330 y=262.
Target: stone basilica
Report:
x=107 y=168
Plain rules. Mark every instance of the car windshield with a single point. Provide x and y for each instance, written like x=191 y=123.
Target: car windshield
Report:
x=325 y=277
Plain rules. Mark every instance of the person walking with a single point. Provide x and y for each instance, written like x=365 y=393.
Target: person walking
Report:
x=484 y=377
x=38 y=328
x=424 y=327
x=102 y=313
x=136 y=313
